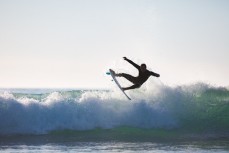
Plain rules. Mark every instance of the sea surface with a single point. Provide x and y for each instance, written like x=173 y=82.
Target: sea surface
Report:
x=159 y=118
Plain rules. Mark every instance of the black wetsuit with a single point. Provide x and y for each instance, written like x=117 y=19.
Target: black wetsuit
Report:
x=140 y=79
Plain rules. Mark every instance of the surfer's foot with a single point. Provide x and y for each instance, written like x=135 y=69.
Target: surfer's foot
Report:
x=118 y=75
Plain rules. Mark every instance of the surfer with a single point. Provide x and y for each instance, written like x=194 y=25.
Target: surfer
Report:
x=143 y=75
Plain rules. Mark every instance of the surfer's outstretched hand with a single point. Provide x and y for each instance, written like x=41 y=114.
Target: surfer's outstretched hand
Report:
x=124 y=58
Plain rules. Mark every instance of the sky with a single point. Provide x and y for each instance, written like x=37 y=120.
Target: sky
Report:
x=72 y=43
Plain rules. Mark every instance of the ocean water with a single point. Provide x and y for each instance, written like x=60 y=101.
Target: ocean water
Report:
x=159 y=118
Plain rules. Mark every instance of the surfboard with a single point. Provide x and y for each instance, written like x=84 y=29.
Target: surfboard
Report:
x=112 y=73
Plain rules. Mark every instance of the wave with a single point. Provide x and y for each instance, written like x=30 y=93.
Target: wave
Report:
x=154 y=106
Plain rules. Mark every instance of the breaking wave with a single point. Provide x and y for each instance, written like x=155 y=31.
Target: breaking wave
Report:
x=154 y=106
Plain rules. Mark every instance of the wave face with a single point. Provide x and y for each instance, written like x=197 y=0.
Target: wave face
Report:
x=154 y=106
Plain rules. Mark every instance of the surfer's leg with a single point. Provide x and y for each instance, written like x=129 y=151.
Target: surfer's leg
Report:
x=127 y=76
x=132 y=87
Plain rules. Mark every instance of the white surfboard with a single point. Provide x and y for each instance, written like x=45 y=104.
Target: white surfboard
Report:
x=116 y=81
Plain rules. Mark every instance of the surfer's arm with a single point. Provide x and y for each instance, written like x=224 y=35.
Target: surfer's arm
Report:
x=154 y=74
x=131 y=62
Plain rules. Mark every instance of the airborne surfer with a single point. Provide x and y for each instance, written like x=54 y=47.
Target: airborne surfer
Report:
x=143 y=75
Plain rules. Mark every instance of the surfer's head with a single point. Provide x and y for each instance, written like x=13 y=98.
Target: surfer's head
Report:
x=143 y=67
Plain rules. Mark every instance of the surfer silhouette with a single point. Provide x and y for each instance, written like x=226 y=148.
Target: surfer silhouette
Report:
x=143 y=75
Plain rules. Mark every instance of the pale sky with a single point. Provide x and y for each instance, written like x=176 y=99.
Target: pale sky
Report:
x=71 y=43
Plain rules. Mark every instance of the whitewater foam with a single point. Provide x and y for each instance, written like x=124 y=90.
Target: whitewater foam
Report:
x=153 y=106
